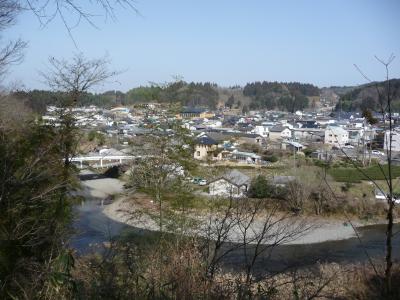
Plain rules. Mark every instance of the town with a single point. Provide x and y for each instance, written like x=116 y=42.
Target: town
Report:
x=227 y=137
x=199 y=150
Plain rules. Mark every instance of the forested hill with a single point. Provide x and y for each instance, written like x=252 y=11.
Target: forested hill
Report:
x=367 y=97
x=258 y=95
x=290 y=96
x=187 y=94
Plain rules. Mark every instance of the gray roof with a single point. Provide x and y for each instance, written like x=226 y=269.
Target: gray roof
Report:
x=282 y=179
x=193 y=110
x=277 y=128
x=223 y=136
x=206 y=140
x=237 y=178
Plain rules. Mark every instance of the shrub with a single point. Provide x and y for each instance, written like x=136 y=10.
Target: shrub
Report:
x=271 y=158
x=260 y=188
x=307 y=152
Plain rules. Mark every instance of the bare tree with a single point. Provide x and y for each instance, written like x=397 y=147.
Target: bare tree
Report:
x=76 y=76
x=72 y=79
x=48 y=10
x=247 y=225
x=12 y=51
x=69 y=11
x=385 y=98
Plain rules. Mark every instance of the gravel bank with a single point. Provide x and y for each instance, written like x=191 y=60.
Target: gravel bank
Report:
x=316 y=230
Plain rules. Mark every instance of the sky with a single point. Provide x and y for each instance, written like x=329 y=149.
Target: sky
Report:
x=227 y=42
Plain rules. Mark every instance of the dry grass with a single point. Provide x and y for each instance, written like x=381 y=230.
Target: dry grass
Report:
x=177 y=270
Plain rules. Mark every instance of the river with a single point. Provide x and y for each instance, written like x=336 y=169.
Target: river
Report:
x=93 y=228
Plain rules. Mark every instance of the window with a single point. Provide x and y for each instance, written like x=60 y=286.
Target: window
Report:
x=198 y=153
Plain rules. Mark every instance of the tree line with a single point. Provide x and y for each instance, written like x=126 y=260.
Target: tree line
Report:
x=290 y=96
x=369 y=97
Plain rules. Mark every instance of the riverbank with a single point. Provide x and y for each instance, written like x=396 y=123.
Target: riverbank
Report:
x=139 y=211
x=134 y=212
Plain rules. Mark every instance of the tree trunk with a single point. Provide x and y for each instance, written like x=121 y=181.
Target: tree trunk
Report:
x=389 y=235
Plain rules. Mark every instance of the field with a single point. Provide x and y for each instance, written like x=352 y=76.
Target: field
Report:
x=371 y=173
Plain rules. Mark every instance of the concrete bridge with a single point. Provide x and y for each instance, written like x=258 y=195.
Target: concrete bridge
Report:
x=103 y=161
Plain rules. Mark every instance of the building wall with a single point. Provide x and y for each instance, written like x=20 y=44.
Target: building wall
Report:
x=201 y=152
x=250 y=140
x=274 y=136
x=261 y=130
x=337 y=138
x=309 y=135
x=285 y=134
x=395 y=141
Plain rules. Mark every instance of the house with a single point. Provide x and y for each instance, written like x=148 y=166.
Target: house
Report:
x=232 y=184
x=249 y=138
x=119 y=111
x=194 y=113
x=279 y=132
x=336 y=136
x=204 y=147
x=308 y=134
x=292 y=146
x=248 y=157
x=239 y=137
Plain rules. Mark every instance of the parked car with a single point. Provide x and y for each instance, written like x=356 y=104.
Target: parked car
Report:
x=196 y=180
x=199 y=181
x=203 y=182
x=348 y=146
x=377 y=152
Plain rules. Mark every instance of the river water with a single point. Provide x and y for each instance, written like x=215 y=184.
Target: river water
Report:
x=93 y=228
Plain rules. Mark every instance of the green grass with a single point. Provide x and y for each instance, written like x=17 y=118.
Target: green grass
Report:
x=354 y=175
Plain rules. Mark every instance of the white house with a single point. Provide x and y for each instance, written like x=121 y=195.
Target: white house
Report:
x=336 y=136
x=395 y=140
x=232 y=184
x=261 y=130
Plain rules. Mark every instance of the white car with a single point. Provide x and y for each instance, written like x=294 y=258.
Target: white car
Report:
x=348 y=147
x=377 y=152
x=203 y=182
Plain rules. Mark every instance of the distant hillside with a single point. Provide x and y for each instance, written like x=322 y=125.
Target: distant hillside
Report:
x=367 y=97
x=341 y=90
x=286 y=96
x=38 y=100
x=289 y=96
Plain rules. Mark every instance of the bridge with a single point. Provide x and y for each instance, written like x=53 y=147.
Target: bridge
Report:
x=103 y=160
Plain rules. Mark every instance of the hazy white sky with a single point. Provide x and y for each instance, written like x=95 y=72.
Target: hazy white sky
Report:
x=227 y=41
